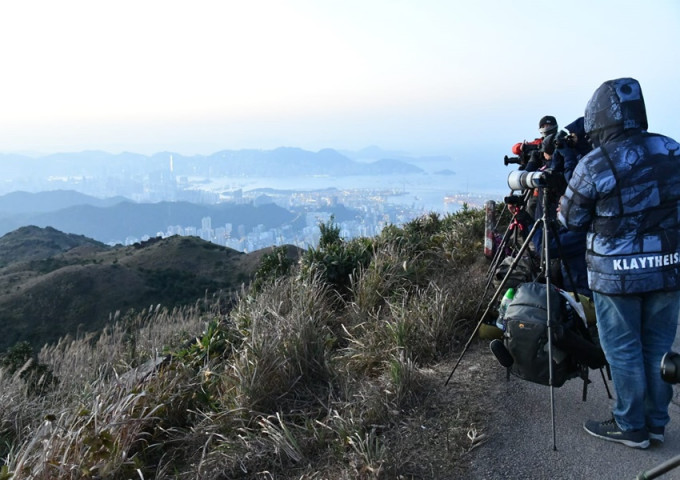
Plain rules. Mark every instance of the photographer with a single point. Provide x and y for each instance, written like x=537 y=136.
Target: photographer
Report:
x=572 y=146
x=531 y=158
x=529 y=155
x=562 y=152
x=626 y=195
x=567 y=248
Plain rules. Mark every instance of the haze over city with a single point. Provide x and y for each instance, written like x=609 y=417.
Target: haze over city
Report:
x=427 y=76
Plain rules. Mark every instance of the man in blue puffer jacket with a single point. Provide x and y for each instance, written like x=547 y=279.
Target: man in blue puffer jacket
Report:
x=626 y=195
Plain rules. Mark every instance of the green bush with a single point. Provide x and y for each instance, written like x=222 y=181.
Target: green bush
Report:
x=335 y=259
x=273 y=265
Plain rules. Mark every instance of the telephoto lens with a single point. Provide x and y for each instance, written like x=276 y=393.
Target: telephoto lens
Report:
x=670 y=367
x=519 y=180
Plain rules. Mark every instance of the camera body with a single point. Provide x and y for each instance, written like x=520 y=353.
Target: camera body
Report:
x=670 y=367
x=564 y=139
x=515 y=200
x=524 y=156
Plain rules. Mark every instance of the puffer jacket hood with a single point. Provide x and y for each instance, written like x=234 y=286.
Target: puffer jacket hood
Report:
x=616 y=106
x=582 y=145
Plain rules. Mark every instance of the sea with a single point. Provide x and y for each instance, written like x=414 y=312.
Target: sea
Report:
x=430 y=191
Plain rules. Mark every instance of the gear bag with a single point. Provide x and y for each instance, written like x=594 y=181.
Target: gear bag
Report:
x=526 y=337
x=523 y=272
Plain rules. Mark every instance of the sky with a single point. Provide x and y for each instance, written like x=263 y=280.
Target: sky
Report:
x=428 y=77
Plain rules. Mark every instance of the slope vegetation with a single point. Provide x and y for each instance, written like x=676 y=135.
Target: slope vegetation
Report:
x=323 y=368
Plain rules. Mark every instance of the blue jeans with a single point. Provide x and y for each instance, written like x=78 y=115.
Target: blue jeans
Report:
x=635 y=331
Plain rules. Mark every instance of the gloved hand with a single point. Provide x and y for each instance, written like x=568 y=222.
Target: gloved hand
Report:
x=564 y=140
x=536 y=161
x=555 y=181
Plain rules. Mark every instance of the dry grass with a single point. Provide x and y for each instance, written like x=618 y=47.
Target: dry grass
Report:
x=296 y=381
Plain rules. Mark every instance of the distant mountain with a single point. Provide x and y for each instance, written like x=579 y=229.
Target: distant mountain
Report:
x=380 y=167
x=53 y=284
x=284 y=161
x=114 y=219
x=24 y=202
x=127 y=218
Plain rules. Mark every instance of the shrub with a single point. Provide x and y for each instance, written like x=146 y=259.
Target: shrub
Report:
x=273 y=265
x=336 y=260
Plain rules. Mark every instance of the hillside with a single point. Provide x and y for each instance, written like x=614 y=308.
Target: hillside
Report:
x=326 y=367
x=33 y=243
x=116 y=218
x=53 y=283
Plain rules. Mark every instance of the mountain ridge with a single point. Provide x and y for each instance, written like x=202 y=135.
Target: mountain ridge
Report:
x=53 y=284
x=112 y=219
x=281 y=161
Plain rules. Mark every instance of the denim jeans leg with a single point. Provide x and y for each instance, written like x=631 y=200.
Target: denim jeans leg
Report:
x=660 y=312
x=619 y=320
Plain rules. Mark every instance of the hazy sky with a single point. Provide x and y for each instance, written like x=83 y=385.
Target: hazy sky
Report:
x=424 y=76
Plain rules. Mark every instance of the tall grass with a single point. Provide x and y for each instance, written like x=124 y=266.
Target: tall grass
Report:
x=299 y=380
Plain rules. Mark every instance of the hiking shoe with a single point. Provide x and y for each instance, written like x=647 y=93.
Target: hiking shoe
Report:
x=656 y=434
x=609 y=430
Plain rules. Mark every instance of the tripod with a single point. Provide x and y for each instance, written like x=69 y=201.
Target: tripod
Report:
x=660 y=469
x=547 y=224
x=511 y=232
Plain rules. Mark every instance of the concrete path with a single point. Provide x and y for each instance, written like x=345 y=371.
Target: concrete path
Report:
x=520 y=444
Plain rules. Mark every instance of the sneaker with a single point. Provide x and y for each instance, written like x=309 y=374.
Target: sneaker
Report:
x=656 y=434
x=609 y=430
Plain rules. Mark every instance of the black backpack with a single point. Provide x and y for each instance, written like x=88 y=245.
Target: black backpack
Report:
x=526 y=337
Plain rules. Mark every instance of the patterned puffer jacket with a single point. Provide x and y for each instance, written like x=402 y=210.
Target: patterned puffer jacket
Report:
x=626 y=195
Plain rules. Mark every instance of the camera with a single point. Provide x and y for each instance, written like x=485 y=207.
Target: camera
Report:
x=514 y=200
x=523 y=156
x=670 y=367
x=563 y=139
x=508 y=160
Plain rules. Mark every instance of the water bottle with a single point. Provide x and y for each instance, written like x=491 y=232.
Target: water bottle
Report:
x=505 y=301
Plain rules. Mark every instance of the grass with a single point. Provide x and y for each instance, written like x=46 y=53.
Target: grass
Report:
x=306 y=377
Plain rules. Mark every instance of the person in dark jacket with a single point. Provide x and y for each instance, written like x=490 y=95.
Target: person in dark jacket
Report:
x=626 y=195
x=572 y=146
x=565 y=246
x=570 y=247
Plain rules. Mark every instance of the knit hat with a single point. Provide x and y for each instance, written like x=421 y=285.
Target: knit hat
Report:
x=547 y=125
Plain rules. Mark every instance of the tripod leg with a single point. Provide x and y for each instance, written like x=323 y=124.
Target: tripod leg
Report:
x=584 y=396
x=586 y=381
x=606 y=385
x=660 y=469
x=514 y=264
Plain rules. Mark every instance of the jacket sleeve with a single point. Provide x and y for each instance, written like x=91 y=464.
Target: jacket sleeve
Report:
x=577 y=205
x=570 y=159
